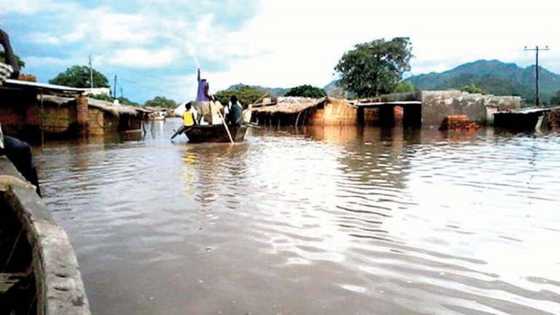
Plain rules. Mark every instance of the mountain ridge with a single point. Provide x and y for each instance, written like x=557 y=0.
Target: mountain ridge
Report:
x=492 y=76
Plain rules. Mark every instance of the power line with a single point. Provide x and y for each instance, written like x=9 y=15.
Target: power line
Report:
x=115 y=87
x=536 y=50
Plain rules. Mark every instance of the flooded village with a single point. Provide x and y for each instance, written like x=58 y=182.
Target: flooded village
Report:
x=383 y=192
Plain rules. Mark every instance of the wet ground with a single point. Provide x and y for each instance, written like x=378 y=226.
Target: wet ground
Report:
x=313 y=221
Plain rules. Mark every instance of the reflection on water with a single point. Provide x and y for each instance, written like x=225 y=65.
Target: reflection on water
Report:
x=313 y=221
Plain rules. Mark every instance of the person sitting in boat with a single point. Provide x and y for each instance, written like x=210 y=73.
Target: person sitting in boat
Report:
x=235 y=110
x=246 y=114
x=189 y=120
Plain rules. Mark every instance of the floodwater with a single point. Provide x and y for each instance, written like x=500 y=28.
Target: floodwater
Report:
x=314 y=221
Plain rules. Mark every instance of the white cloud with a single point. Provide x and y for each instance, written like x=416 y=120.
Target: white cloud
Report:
x=292 y=42
x=143 y=58
x=33 y=61
x=301 y=41
x=23 y=6
x=122 y=28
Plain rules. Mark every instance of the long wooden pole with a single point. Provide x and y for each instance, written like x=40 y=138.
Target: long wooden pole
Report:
x=225 y=125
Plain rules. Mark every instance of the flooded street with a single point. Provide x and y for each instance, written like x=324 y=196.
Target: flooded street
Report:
x=318 y=221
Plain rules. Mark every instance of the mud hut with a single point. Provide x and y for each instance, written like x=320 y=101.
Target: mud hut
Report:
x=103 y=117
x=298 y=111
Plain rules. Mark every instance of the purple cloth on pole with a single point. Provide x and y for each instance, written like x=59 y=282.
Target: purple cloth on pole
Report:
x=200 y=95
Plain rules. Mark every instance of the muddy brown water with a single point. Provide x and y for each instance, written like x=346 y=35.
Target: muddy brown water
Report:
x=313 y=221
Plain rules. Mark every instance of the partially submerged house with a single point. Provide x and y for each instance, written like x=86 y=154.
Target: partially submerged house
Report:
x=298 y=111
x=103 y=117
x=412 y=109
x=36 y=111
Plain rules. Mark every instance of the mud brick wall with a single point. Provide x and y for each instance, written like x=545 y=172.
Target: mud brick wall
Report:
x=554 y=120
x=96 y=122
x=58 y=119
x=16 y=111
x=436 y=105
x=82 y=116
x=335 y=112
x=101 y=122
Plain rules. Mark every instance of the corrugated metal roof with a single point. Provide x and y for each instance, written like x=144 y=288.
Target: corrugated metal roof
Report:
x=43 y=86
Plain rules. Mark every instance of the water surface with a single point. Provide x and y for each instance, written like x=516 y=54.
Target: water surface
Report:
x=313 y=221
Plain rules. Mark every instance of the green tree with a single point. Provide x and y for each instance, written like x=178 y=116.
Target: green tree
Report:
x=20 y=62
x=122 y=100
x=161 y=101
x=125 y=101
x=79 y=76
x=245 y=94
x=306 y=91
x=404 y=87
x=473 y=88
x=376 y=67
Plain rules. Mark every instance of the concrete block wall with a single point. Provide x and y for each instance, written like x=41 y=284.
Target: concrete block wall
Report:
x=436 y=105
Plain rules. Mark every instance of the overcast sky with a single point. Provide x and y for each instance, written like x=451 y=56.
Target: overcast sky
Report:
x=155 y=46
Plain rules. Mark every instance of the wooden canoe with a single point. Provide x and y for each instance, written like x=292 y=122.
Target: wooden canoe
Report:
x=39 y=273
x=216 y=133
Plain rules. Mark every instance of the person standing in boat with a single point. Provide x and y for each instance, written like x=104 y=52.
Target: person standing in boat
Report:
x=189 y=120
x=205 y=103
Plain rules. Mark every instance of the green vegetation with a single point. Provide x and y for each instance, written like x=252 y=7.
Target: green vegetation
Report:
x=404 y=87
x=20 y=62
x=245 y=94
x=125 y=101
x=122 y=100
x=79 y=76
x=306 y=91
x=161 y=101
x=375 y=68
x=472 y=88
x=267 y=90
x=492 y=77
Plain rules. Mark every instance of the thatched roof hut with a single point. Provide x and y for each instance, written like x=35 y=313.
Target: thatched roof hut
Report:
x=298 y=111
x=115 y=109
x=288 y=105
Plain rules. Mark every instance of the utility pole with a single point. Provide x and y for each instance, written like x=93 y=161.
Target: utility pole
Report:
x=90 y=73
x=536 y=50
x=115 y=87
x=121 y=92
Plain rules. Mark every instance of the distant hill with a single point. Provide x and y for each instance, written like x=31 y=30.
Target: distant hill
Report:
x=494 y=77
x=269 y=91
x=333 y=89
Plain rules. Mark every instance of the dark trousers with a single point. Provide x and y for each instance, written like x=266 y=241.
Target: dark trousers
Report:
x=180 y=131
x=19 y=153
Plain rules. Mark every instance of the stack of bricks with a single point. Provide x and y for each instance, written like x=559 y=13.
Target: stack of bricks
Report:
x=458 y=122
x=27 y=77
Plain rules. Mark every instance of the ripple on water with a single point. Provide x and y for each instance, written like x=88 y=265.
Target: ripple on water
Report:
x=394 y=222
